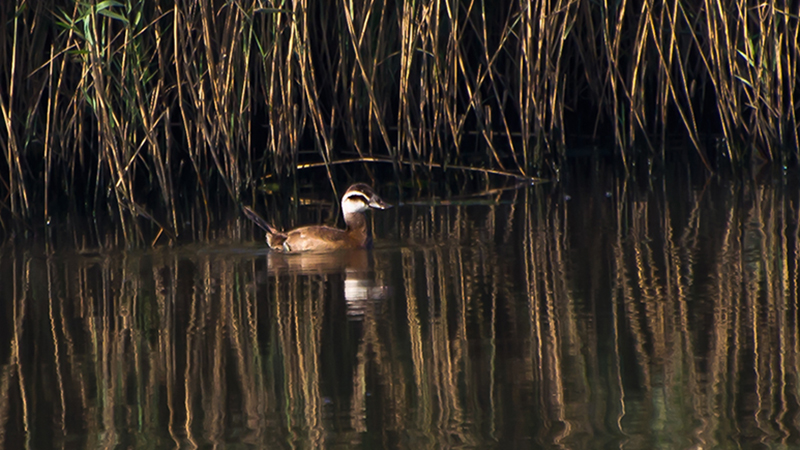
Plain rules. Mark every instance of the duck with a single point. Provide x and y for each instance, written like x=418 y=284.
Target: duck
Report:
x=358 y=199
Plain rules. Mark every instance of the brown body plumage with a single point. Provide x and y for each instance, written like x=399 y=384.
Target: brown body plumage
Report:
x=355 y=201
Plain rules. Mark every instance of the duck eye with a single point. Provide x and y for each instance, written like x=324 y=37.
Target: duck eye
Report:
x=358 y=197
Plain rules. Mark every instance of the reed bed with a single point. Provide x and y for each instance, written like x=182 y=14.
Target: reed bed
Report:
x=150 y=109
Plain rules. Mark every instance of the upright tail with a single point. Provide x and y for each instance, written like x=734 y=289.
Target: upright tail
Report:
x=275 y=238
x=258 y=220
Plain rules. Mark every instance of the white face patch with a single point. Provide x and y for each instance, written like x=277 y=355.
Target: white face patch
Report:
x=354 y=202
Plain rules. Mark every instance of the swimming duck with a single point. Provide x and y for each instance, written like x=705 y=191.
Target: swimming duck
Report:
x=319 y=238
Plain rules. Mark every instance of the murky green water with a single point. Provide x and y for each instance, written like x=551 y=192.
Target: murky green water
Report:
x=591 y=314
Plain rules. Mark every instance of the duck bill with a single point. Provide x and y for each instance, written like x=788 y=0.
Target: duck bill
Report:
x=377 y=203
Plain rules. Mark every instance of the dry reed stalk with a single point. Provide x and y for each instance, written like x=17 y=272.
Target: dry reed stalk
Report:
x=408 y=39
x=17 y=191
x=300 y=29
x=376 y=108
x=612 y=35
x=686 y=112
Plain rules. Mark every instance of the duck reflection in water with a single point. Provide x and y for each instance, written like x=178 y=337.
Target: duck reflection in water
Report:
x=318 y=249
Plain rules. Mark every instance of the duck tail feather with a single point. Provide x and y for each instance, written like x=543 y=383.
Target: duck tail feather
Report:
x=258 y=220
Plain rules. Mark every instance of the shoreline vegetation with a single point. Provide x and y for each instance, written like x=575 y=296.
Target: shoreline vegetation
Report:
x=133 y=107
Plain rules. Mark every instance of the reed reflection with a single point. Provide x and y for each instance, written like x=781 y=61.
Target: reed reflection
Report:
x=621 y=316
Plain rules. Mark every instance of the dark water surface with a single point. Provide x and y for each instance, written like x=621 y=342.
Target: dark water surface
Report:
x=593 y=314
